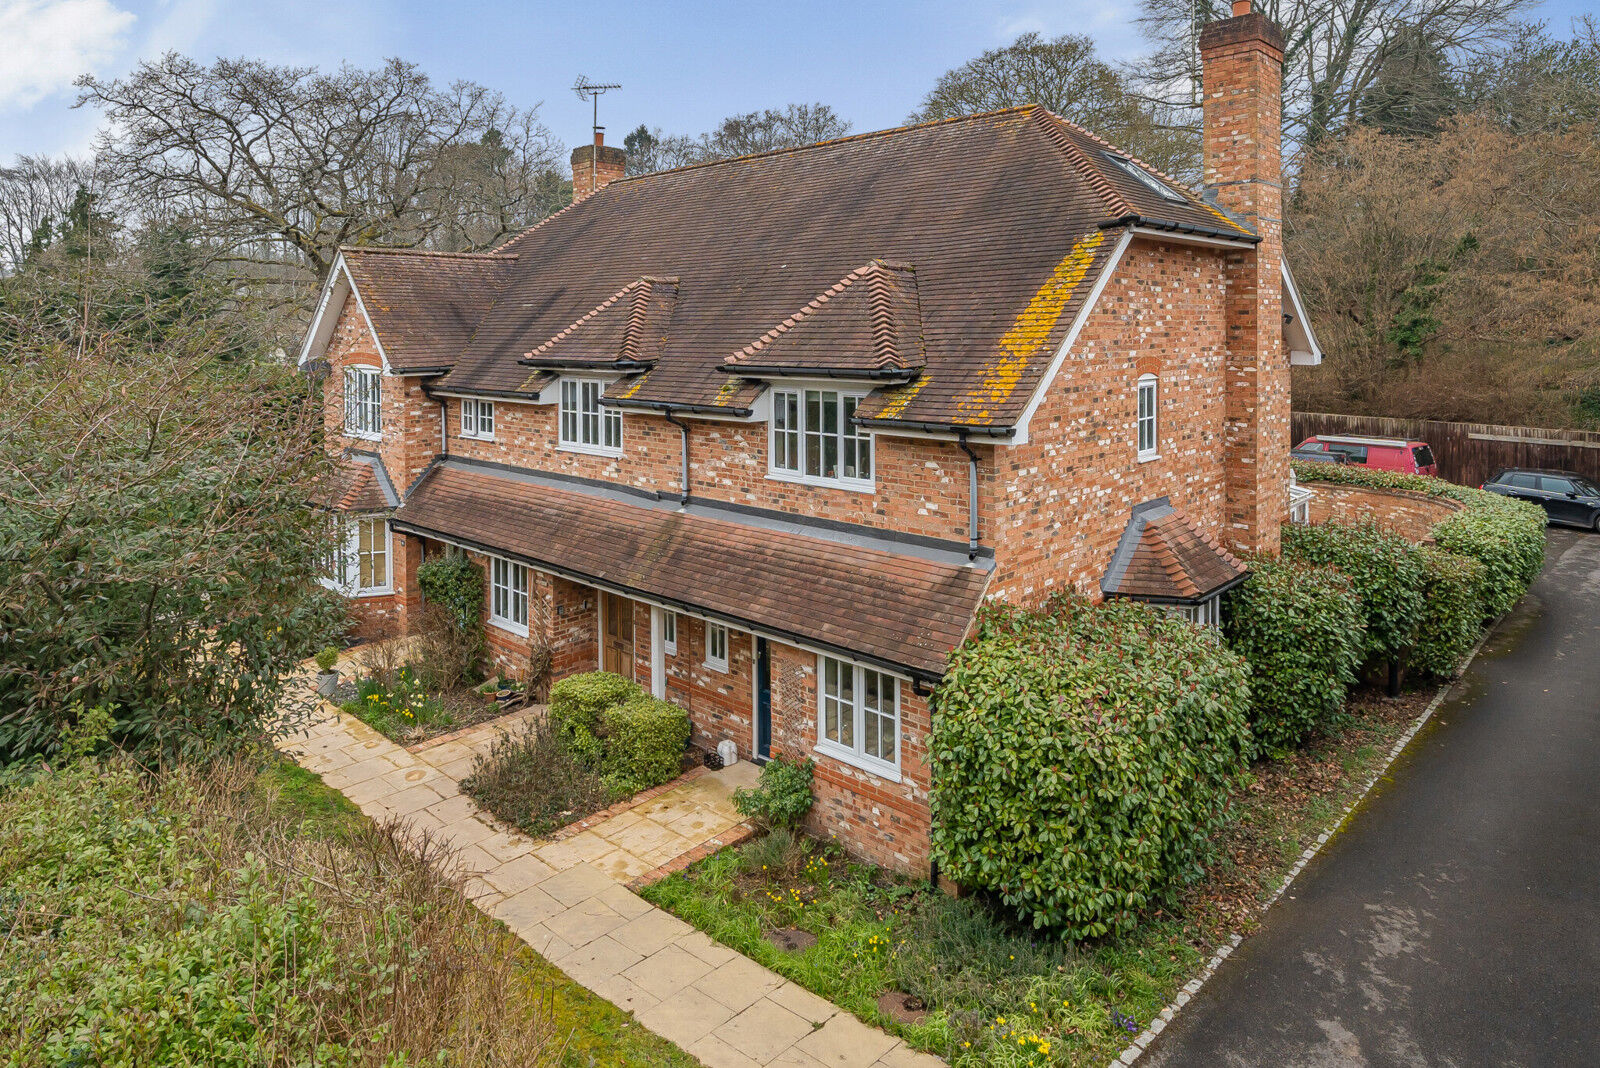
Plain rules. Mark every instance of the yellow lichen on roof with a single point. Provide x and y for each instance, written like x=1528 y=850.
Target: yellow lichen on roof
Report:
x=634 y=388
x=724 y=395
x=901 y=397
x=528 y=382
x=1031 y=330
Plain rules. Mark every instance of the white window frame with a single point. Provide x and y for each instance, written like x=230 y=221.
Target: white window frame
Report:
x=669 y=632
x=855 y=754
x=1148 y=445
x=789 y=446
x=477 y=419
x=714 y=632
x=345 y=567
x=1208 y=613
x=363 y=403
x=504 y=593
x=583 y=424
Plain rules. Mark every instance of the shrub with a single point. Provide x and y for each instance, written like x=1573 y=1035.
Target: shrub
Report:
x=454 y=583
x=1505 y=535
x=577 y=701
x=643 y=741
x=534 y=781
x=1082 y=757
x=1452 y=615
x=1301 y=630
x=1384 y=573
x=327 y=658
x=444 y=655
x=782 y=797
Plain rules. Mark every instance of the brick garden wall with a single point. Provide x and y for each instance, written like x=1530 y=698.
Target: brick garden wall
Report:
x=1410 y=515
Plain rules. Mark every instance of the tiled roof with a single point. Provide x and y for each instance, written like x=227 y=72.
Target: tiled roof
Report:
x=899 y=609
x=628 y=328
x=425 y=305
x=1163 y=556
x=357 y=483
x=868 y=323
x=1000 y=218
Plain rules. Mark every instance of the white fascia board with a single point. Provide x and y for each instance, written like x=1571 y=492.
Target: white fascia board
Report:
x=1039 y=391
x=1191 y=239
x=1298 y=337
x=339 y=284
x=493 y=399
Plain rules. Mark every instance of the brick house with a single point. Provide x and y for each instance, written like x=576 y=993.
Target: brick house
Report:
x=763 y=434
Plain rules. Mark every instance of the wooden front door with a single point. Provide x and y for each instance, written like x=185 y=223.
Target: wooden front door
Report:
x=617 y=641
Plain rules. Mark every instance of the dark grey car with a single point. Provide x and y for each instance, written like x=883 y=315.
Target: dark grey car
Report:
x=1569 y=498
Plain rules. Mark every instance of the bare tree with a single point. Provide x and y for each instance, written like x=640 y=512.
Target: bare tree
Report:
x=1536 y=82
x=36 y=194
x=1065 y=75
x=1335 y=51
x=737 y=135
x=277 y=166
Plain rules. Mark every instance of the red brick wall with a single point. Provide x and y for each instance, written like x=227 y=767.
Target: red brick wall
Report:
x=410 y=419
x=1410 y=515
x=1060 y=502
x=921 y=486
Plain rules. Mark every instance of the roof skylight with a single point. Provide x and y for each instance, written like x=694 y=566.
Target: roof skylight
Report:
x=1150 y=181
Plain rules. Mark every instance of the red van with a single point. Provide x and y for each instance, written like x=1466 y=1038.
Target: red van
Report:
x=1387 y=454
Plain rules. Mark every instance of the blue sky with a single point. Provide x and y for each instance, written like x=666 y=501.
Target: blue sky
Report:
x=683 y=65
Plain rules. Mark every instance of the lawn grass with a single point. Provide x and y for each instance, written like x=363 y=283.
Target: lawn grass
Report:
x=997 y=994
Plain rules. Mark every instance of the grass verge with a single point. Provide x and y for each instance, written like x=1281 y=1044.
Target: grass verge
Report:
x=993 y=993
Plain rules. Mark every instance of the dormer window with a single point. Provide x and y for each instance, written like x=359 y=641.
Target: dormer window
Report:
x=477 y=418
x=1145 y=178
x=363 y=409
x=814 y=439
x=586 y=425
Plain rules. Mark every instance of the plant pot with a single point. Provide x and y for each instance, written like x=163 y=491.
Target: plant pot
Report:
x=504 y=695
x=327 y=682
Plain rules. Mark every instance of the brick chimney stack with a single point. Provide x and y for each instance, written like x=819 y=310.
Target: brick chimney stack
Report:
x=595 y=166
x=1242 y=80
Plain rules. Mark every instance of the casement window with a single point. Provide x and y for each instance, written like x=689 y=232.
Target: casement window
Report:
x=814 y=438
x=359 y=566
x=1149 y=443
x=508 y=595
x=858 y=716
x=716 y=647
x=477 y=418
x=585 y=424
x=1207 y=613
x=669 y=633
x=363 y=409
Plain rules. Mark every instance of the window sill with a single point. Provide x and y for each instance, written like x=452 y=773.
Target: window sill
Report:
x=719 y=668
x=590 y=450
x=362 y=435
x=520 y=630
x=476 y=437
x=853 y=485
x=670 y=649
x=857 y=761
x=1146 y=457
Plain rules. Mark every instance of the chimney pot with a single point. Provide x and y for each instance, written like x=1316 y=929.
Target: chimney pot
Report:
x=1241 y=7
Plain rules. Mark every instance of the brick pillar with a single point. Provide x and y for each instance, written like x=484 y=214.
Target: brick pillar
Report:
x=407 y=550
x=595 y=166
x=1242 y=61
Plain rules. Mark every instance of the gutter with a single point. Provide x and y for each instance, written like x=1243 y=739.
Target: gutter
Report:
x=936 y=428
x=568 y=365
x=1180 y=228
x=668 y=406
x=972 y=496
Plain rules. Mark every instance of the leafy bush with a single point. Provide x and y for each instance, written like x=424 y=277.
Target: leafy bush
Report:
x=642 y=742
x=1301 y=630
x=327 y=658
x=1384 y=573
x=577 y=701
x=454 y=583
x=782 y=797
x=1082 y=757
x=182 y=917
x=1452 y=615
x=1505 y=535
x=534 y=781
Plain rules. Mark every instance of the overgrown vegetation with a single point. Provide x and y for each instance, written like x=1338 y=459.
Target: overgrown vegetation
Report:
x=1301 y=630
x=1083 y=756
x=535 y=781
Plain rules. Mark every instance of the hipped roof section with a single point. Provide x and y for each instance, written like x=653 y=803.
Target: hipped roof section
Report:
x=628 y=329
x=982 y=238
x=424 y=306
x=1164 y=556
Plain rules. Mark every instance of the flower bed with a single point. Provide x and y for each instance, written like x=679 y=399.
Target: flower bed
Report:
x=993 y=992
x=394 y=702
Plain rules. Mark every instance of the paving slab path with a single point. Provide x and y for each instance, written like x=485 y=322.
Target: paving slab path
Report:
x=567 y=898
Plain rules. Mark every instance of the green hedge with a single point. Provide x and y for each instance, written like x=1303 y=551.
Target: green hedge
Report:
x=643 y=741
x=454 y=583
x=1302 y=631
x=1384 y=573
x=1082 y=757
x=1505 y=535
x=1453 y=612
x=577 y=702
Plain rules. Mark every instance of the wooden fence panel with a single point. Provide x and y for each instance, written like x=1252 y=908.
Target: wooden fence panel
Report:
x=1469 y=453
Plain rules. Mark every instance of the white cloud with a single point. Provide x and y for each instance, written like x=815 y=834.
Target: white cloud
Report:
x=50 y=42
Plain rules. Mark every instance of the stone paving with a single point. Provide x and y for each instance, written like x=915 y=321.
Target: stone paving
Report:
x=565 y=898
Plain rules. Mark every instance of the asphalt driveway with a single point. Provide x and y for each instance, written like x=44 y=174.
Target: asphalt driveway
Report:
x=1456 y=920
